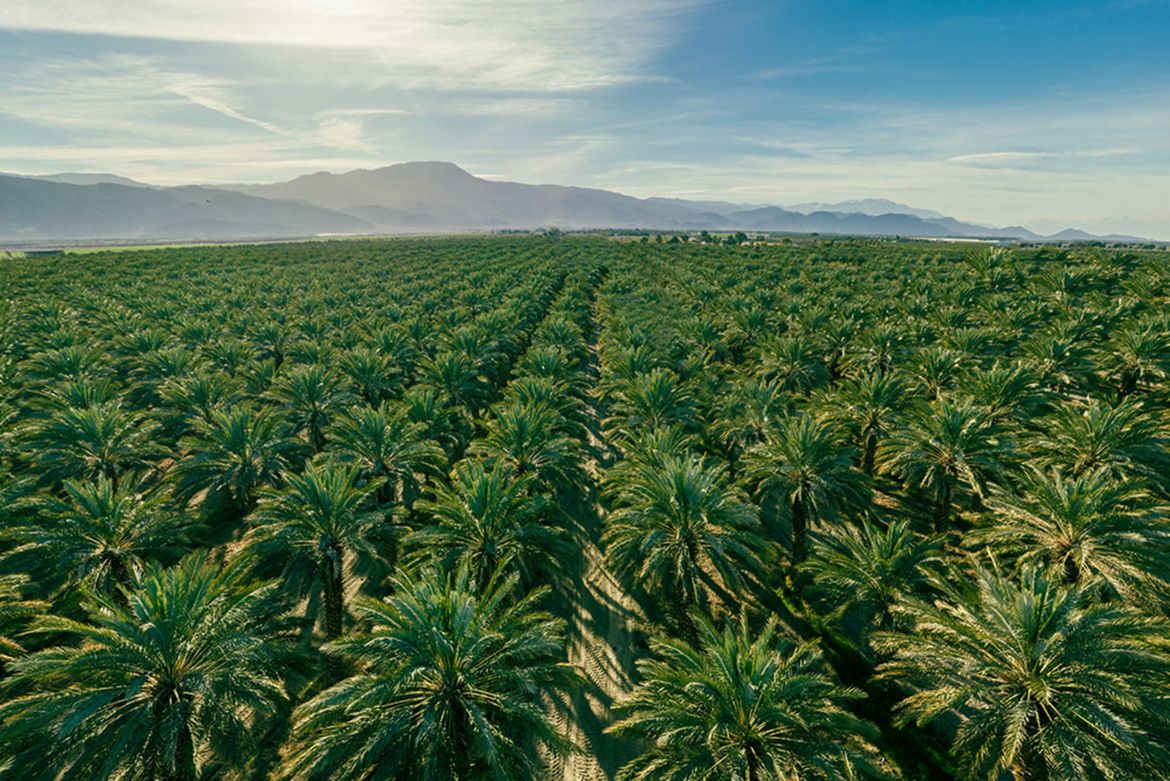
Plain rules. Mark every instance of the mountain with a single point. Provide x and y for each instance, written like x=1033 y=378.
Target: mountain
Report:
x=90 y=179
x=76 y=178
x=35 y=209
x=443 y=195
x=434 y=195
x=874 y=207
x=420 y=197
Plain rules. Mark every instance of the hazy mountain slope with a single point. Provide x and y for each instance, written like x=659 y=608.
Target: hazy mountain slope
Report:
x=874 y=207
x=442 y=195
x=38 y=209
x=453 y=198
x=76 y=178
x=427 y=196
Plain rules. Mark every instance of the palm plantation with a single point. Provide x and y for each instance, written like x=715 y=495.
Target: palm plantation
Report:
x=559 y=507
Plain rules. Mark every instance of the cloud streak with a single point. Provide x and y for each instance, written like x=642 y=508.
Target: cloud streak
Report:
x=446 y=44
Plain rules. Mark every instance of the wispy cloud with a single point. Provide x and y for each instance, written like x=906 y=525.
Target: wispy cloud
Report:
x=1012 y=158
x=515 y=44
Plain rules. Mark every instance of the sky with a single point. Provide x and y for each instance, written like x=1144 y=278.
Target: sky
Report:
x=1038 y=113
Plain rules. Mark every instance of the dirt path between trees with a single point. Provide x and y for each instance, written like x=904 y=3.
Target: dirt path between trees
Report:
x=601 y=625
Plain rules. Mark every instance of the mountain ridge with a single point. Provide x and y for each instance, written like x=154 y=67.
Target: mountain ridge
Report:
x=420 y=197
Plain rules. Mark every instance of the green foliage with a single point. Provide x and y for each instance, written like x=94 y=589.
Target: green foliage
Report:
x=1045 y=683
x=170 y=681
x=742 y=704
x=407 y=442
x=449 y=685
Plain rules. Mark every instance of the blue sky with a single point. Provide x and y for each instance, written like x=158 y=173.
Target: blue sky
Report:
x=999 y=112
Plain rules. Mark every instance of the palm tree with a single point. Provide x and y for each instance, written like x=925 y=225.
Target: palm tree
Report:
x=872 y=569
x=456 y=376
x=794 y=363
x=195 y=396
x=868 y=407
x=745 y=415
x=312 y=525
x=741 y=705
x=656 y=398
x=944 y=447
x=1123 y=438
x=385 y=443
x=530 y=440
x=804 y=461
x=682 y=533
x=103 y=440
x=99 y=536
x=310 y=396
x=1043 y=683
x=1007 y=391
x=488 y=521
x=233 y=455
x=451 y=685
x=372 y=376
x=1137 y=357
x=1087 y=529
x=170 y=682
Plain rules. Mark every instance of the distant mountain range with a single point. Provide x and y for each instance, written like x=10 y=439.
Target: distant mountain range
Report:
x=422 y=197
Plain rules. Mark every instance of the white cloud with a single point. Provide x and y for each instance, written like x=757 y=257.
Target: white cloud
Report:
x=1013 y=158
x=1001 y=157
x=514 y=44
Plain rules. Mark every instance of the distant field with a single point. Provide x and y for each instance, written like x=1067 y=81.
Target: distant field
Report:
x=822 y=508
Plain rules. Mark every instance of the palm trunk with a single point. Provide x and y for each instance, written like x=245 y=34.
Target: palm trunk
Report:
x=333 y=595
x=184 y=769
x=799 y=532
x=686 y=623
x=868 y=452
x=942 y=509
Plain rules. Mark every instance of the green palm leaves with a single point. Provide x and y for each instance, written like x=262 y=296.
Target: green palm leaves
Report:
x=234 y=454
x=804 y=462
x=322 y=517
x=741 y=705
x=1082 y=530
x=1044 y=682
x=489 y=521
x=99 y=536
x=683 y=533
x=451 y=686
x=166 y=683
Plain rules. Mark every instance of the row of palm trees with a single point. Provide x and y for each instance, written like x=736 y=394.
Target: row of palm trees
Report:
x=867 y=471
x=292 y=525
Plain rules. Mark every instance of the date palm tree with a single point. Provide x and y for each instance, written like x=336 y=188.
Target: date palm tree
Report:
x=945 y=447
x=488 y=521
x=683 y=533
x=310 y=396
x=651 y=400
x=312 y=525
x=866 y=572
x=868 y=407
x=233 y=455
x=16 y=611
x=104 y=440
x=384 y=443
x=1042 y=682
x=1124 y=438
x=97 y=536
x=1084 y=530
x=451 y=686
x=806 y=464
x=741 y=705
x=530 y=440
x=169 y=682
